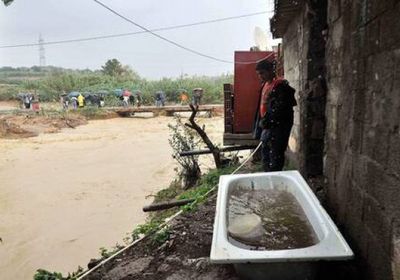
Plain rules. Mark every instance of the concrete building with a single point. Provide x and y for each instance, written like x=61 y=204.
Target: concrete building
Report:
x=343 y=58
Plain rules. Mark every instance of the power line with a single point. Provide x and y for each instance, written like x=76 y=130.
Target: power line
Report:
x=159 y=36
x=133 y=33
x=173 y=42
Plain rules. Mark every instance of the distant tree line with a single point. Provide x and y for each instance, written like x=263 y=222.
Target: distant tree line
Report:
x=51 y=81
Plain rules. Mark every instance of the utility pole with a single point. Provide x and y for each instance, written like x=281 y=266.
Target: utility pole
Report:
x=42 y=55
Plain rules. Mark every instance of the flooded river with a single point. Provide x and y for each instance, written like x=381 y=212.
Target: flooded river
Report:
x=65 y=195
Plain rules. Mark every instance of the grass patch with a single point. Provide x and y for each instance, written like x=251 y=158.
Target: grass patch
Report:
x=169 y=193
x=42 y=274
x=161 y=236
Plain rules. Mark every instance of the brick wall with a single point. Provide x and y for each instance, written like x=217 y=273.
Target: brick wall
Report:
x=362 y=140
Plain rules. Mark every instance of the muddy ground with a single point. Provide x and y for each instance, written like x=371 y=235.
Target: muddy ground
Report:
x=183 y=256
x=185 y=253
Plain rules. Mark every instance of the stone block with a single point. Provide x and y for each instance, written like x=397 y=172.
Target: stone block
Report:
x=384 y=188
x=357 y=137
x=359 y=105
x=334 y=91
x=380 y=70
x=354 y=219
x=345 y=5
x=375 y=143
x=360 y=172
x=344 y=129
x=375 y=8
x=358 y=41
x=331 y=121
x=330 y=167
x=377 y=222
x=372 y=43
x=336 y=34
x=390 y=28
x=355 y=14
x=393 y=163
x=396 y=260
x=396 y=249
x=344 y=183
x=378 y=260
x=357 y=78
x=318 y=129
x=391 y=106
x=334 y=11
x=316 y=108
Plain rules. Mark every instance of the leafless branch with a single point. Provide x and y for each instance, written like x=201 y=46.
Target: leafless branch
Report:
x=215 y=150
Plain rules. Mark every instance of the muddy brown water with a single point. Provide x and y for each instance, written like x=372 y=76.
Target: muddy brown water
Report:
x=284 y=223
x=65 y=195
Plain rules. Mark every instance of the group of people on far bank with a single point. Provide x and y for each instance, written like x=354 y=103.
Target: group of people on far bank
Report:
x=127 y=98
x=197 y=94
x=29 y=100
x=76 y=101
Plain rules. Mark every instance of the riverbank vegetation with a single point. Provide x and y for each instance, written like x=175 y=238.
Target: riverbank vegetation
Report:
x=49 y=82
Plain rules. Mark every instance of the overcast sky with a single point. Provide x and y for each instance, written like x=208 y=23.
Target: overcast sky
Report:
x=24 y=20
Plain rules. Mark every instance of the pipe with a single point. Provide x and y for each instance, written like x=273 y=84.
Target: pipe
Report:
x=222 y=150
x=166 y=205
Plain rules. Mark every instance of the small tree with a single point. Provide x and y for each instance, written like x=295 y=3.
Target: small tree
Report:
x=184 y=139
x=113 y=68
x=7 y=2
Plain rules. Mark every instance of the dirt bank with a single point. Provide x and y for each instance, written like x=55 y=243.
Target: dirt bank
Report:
x=23 y=126
x=185 y=252
x=65 y=195
x=183 y=256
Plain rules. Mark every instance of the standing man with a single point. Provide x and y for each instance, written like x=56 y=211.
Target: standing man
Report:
x=27 y=100
x=81 y=101
x=197 y=95
x=74 y=102
x=184 y=98
x=64 y=101
x=163 y=98
x=274 y=116
x=158 y=99
x=139 y=98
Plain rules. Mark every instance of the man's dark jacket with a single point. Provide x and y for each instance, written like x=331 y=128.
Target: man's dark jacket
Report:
x=280 y=103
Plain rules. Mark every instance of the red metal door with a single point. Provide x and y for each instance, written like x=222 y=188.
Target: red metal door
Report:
x=246 y=89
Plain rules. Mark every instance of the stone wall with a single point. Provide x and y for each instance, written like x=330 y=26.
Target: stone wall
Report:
x=304 y=65
x=295 y=48
x=362 y=139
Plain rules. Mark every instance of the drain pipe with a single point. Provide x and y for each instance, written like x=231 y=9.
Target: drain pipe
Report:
x=167 y=221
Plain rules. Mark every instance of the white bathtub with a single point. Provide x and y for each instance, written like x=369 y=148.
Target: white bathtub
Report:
x=277 y=264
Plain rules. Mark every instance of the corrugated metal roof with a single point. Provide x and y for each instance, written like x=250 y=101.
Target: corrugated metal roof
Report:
x=285 y=11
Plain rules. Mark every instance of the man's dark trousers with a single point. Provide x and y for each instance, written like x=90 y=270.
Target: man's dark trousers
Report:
x=274 y=144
